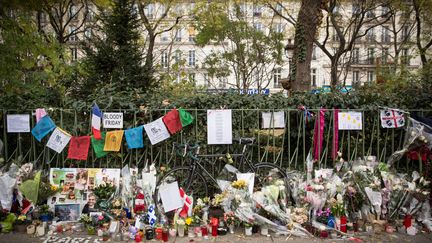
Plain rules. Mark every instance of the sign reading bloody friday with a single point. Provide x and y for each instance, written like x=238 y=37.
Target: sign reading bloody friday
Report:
x=112 y=120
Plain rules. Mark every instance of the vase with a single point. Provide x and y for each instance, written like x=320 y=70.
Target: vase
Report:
x=231 y=228
x=180 y=230
x=91 y=230
x=197 y=231
x=338 y=222
x=172 y=232
x=31 y=229
x=191 y=233
x=264 y=230
x=40 y=230
x=248 y=231
x=99 y=232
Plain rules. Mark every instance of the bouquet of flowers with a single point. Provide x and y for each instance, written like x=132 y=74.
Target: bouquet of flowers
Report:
x=230 y=218
x=240 y=184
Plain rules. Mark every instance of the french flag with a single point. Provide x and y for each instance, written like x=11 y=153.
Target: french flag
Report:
x=96 y=122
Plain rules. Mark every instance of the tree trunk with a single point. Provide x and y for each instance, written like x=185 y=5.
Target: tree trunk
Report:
x=308 y=20
x=334 y=73
x=148 y=66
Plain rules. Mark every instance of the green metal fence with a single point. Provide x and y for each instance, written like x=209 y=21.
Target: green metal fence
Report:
x=286 y=147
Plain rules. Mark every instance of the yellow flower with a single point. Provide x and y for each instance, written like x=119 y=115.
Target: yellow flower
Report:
x=54 y=188
x=239 y=184
x=189 y=221
x=22 y=217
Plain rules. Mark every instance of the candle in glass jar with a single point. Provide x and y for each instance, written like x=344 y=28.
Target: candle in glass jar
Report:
x=165 y=235
x=204 y=231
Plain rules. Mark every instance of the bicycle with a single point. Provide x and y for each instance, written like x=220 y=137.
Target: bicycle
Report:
x=192 y=177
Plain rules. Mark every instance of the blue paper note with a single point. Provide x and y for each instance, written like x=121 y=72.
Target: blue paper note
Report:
x=43 y=127
x=134 y=137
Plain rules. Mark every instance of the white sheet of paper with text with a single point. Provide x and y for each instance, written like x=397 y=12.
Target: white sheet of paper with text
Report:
x=219 y=127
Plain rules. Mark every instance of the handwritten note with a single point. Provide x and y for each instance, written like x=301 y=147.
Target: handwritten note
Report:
x=273 y=119
x=219 y=127
x=156 y=131
x=18 y=123
x=350 y=120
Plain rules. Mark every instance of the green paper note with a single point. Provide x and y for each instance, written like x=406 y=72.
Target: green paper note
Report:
x=98 y=146
x=30 y=188
x=186 y=118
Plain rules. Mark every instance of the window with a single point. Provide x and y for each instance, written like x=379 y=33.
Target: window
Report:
x=257 y=11
x=164 y=59
x=355 y=56
x=404 y=57
x=164 y=37
x=355 y=9
x=72 y=33
x=279 y=7
x=314 y=77
x=384 y=55
x=149 y=9
x=371 y=56
x=177 y=56
x=206 y=80
x=385 y=37
x=370 y=14
x=356 y=77
x=370 y=76
x=370 y=36
x=134 y=9
x=278 y=28
x=73 y=12
x=191 y=58
x=178 y=35
x=192 y=78
x=385 y=10
x=74 y=54
x=335 y=36
x=276 y=77
x=88 y=33
x=223 y=82
x=314 y=53
x=405 y=33
x=42 y=17
x=89 y=15
x=243 y=9
x=258 y=26
x=191 y=31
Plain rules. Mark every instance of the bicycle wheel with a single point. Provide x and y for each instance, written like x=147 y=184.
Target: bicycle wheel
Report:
x=264 y=172
x=194 y=185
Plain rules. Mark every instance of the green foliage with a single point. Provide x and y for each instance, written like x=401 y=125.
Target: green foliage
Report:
x=104 y=191
x=32 y=69
x=115 y=61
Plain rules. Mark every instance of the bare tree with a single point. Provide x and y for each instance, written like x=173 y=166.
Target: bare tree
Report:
x=347 y=30
x=423 y=19
x=66 y=18
x=156 y=24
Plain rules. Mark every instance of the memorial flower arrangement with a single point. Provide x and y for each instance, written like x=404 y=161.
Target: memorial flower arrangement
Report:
x=239 y=184
x=230 y=219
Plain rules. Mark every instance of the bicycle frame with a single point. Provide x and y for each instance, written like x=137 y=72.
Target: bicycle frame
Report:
x=197 y=166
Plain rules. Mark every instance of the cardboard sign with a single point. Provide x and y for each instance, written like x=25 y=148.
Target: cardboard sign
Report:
x=113 y=120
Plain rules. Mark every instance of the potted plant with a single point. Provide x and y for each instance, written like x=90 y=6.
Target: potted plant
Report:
x=180 y=227
x=21 y=223
x=104 y=192
x=45 y=214
x=230 y=220
x=248 y=228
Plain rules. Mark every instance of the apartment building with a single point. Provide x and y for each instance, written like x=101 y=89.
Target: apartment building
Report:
x=375 y=51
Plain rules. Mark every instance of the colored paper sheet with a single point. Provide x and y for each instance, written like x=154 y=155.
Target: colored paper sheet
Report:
x=98 y=145
x=172 y=121
x=43 y=127
x=186 y=118
x=78 y=148
x=113 y=140
x=58 y=140
x=134 y=137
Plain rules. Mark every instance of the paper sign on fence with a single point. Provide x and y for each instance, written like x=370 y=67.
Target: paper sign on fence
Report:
x=112 y=120
x=58 y=140
x=156 y=131
x=18 y=123
x=275 y=121
x=350 y=120
x=392 y=118
x=219 y=127
x=170 y=196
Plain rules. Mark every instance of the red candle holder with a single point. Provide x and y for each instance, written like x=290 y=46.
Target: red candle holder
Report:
x=159 y=233
x=165 y=235
x=214 y=230
x=204 y=231
x=343 y=224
